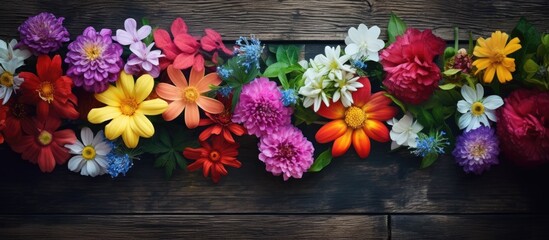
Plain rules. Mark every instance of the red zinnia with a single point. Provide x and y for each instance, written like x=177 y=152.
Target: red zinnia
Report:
x=222 y=124
x=42 y=144
x=17 y=113
x=50 y=91
x=213 y=157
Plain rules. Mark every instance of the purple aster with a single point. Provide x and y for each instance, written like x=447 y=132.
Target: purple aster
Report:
x=477 y=150
x=94 y=60
x=143 y=60
x=43 y=33
x=286 y=152
x=260 y=108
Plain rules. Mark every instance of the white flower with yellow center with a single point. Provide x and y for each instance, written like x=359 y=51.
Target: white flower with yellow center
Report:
x=333 y=64
x=404 y=131
x=9 y=81
x=314 y=92
x=364 y=43
x=345 y=86
x=477 y=110
x=8 y=53
x=91 y=154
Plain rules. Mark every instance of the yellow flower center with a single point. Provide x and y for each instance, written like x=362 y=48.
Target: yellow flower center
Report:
x=215 y=156
x=88 y=153
x=478 y=151
x=477 y=109
x=334 y=65
x=45 y=138
x=6 y=79
x=190 y=94
x=92 y=51
x=128 y=106
x=46 y=91
x=355 y=117
x=497 y=57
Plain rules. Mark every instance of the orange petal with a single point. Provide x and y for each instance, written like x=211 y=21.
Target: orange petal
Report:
x=196 y=76
x=334 y=111
x=361 y=142
x=228 y=136
x=210 y=105
x=174 y=109
x=210 y=79
x=383 y=114
x=177 y=77
x=206 y=134
x=362 y=95
x=168 y=92
x=196 y=165
x=192 y=117
x=342 y=144
x=377 y=101
x=376 y=130
x=237 y=129
x=331 y=131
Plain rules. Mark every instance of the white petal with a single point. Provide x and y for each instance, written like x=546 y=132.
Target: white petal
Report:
x=394 y=145
x=130 y=25
x=351 y=49
x=92 y=168
x=143 y=32
x=336 y=96
x=484 y=120
x=492 y=102
x=76 y=163
x=465 y=120
x=474 y=124
x=480 y=92
x=373 y=56
x=468 y=94
x=490 y=114
x=99 y=137
x=87 y=136
x=75 y=148
x=101 y=161
x=102 y=148
x=463 y=106
x=416 y=127
x=123 y=37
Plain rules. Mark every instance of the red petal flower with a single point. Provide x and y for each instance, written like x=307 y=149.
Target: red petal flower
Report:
x=213 y=157
x=222 y=124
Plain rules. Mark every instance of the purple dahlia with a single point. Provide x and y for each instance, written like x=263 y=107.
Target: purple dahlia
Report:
x=286 y=152
x=477 y=150
x=94 y=60
x=43 y=33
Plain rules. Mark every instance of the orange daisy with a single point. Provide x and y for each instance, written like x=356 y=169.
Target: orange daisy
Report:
x=358 y=123
x=189 y=96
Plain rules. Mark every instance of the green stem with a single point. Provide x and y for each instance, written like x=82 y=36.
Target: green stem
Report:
x=456 y=38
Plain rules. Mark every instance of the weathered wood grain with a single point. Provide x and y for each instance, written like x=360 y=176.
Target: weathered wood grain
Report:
x=193 y=227
x=470 y=227
x=284 y=19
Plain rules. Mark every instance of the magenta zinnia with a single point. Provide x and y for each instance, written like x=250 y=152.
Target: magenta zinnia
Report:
x=94 y=60
x=286 y=152
x=260 y=108
x=43 y=33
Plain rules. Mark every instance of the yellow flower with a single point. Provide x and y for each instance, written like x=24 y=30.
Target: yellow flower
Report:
x=492 y=57
x=127 y=109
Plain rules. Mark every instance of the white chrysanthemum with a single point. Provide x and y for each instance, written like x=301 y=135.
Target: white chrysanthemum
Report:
x=345 y=86
x=364 y=43
x=91 y=160
x=404 y=131
x=333 y=64
x=9 y=82
x=476 y=109
x=7 y=52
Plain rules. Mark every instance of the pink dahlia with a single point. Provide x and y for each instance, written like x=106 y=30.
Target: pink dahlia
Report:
x=43 y=33
x=94 y=60
x=412 y=75
x=523 y=127
x=286 y=152
x=260 y=108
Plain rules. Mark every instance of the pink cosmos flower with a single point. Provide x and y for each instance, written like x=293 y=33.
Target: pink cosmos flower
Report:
x=131 y=35
x=143 y=60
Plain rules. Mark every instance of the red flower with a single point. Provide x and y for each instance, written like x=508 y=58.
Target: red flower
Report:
x=49 y=91
x=523 y=127
x=42 y=144
x=213 y=157
x=412 y=76
x=222 y=124
x=212 y=42
x=183 y=52
x=16 y=114
x=3 y=115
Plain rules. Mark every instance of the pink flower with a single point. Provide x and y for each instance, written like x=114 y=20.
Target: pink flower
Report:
x=212 y=41
x=183 y=51
x=131 y=35
x=412 y=76
x=523 y=127
x=260 y=108
x=143 y=60
x=286 y=152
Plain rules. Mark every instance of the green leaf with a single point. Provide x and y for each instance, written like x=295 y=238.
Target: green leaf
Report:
x=396 y=27
x=322 y=161
x=396 y=101
x=449 y=53
x=531 y=66
x=274 y=69
x=149 y=39
x=288 y=54
x=529 y=37
x=447 y=86
x=451 y=71
x=426 y=118
x=428 y=160
x=283 y=80
x=306 y=115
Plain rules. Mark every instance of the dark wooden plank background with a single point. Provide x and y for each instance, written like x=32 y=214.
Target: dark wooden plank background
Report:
x=384 y=196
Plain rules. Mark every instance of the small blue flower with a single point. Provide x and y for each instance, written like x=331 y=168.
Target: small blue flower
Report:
x=118 y=164
x=224 y=73
x=289 y=97
x=225 y=90
x=359 y=64
x=428 y=144
x=249 y=51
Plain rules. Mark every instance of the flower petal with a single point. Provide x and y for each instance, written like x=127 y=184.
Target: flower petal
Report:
x=331 y=131
x=492 y=102
x=152 y=107
x=143 y=87
x=168 y=92
x=192 y=117
x=131 y=139
x=362 y=95
x=376 y=130
x=334 y=111
x=99 y=115
x=361 y=143
x=87 y=136
x=210 y=79
x=141 y=125
x=177 y=77
x=465 y=120
x=342 y=144
x=126 y=83
x=111 y=96
x=210 y=105
x=117 y=126
x=174 y=109
x=196 y=76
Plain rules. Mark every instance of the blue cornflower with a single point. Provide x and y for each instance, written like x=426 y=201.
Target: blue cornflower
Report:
x=430 y=144
x=359 y=64
x=225 y=90
x=289 y=97
x=224 y=73
x=118 y=164
x=249 y=51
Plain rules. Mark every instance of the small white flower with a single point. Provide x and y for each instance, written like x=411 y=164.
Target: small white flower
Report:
x=9 y=81
x=314 y=92
x=8 y=53
x=364 y=42
x=345 y=86
x=476 y=109
x=404 y=131
x=131 y=34
x=333 y=64
x=91 y=159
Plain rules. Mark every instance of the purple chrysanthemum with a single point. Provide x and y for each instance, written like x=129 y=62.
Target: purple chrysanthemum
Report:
x=477 y=150
x=94 y=60
x=286 y=152
x=43 y=33
x=260 y=109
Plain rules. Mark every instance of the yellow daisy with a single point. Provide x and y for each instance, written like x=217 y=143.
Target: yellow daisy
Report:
x=492 y=57
x=127 y=109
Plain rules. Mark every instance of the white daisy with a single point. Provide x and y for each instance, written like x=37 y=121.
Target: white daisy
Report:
x=364 y=42
x=7 y=52
x=333 y=64
x=345 y=86
x=9 y=81
x=404 y=131
x=314 y=92
x=476 y=109
x=91 y=160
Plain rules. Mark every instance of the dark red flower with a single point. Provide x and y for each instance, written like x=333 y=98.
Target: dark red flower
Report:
x=17 y=113
x=212 y=157
x=221 y=124
x=3 y=115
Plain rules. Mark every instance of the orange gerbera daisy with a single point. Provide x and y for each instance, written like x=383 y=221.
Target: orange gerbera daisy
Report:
x=358 y=123
x=189 y=96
